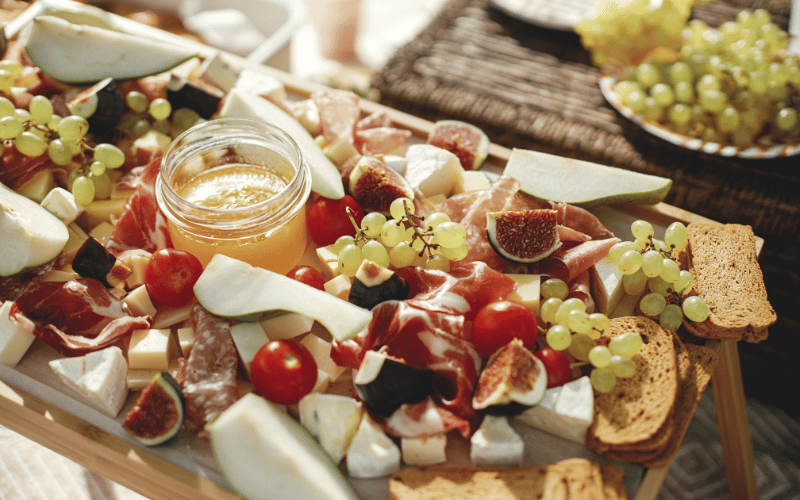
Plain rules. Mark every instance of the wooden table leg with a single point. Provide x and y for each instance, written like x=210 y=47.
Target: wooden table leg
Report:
x=734 y=431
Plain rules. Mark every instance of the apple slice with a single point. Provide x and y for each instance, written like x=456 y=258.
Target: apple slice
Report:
x=234 y=289
x=80 y=54
x=265 y=454
x=29 y=235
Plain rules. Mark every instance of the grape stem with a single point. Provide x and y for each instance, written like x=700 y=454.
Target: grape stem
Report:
x=408 y=221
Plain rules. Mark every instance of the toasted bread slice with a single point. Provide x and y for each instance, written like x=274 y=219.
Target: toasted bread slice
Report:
x=637 y=408
x=724 y=264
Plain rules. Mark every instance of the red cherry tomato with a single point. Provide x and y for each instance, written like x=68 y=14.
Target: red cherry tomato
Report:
x=283 y=371
x=497 y=323
x=170 y=276
x=556 y=364
x=308 y=275
x=327 y=219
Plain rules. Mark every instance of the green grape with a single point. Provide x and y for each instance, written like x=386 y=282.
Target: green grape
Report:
x=684 y=92
x=13 y=68
x=623 y=367
x=670 y=271
x=23 y=114
x=435 y=219
x=579 y=322
x=652 y=304
x=41 y=109
x=680 y=72
x=757 y=82
x=695 y=308
x=635 y=283
x=6 y=107
x=659 y=286
x=679 y=114
x=54 y=121
x=600 y=322
x=625 y=87
x=675 y=236
x=549 y=308
x=419 y=243
x=684 y=283
x=163 y=126
x=372 y=224
x=160 y=108
x=652 y=111
x=554 y=287
x=652 y=263
x=392 y=233
x=109 y=155
x=671 y=317
x=140 y=127
x=728 y=119
x=97 y=168
x=580 y=346
x=400 y=206
x=375 y=251
x=558 y=337
x=450 y=234
x=10 y=127
x=438 y=262
x=786 y=119
x=137 y=101
x=713 y=100
x=603 y=379
x=72 y=128
x=83 y=190
x=30 y=144
x=185 y=118
x=401 y=255
x=630 y=262
x=626 y=344
x=776 y=91
x=350 y=258
x=742 y=137
x=600 y=356
x=642 y=230
x=647 y=75
x=616 y=251
x=708 y=82
x=343 y=241
x=102 y=186
x=662 y=94
x=636 y=101
x=455 y=254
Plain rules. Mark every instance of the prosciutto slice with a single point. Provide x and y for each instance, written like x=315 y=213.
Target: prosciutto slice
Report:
x=76 y=317
x=141 y=225
x=209 y=375
x=380 y=140
x=568 y=263
x=338 y=113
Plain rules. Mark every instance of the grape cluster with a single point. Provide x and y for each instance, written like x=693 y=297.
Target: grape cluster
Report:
x=144 y=115
x=733 y=86
x=574 y=330
x=400 y=241
x=649 y=269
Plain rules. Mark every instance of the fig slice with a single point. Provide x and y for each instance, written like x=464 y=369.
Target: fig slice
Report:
x=468 y=142
x=512 y=380
x=523 y=236
x=158 y=413
x=375 y=185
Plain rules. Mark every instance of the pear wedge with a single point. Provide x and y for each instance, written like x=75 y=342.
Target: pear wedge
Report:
x=555 y=178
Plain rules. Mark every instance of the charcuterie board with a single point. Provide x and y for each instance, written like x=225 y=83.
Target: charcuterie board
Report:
x=36 y=404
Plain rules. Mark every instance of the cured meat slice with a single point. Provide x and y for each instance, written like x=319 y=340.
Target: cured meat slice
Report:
x=142 y=224
x=375 y=119
x=568 y=263
x=76 y=317
x=425 y=419
x=12 y=287
x=581 y=288
x=209 y=380
x=581 y=220
x=380 y=140
x=568 y=234
x=338 y=113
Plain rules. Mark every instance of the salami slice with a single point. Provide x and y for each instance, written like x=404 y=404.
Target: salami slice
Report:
x=209 y=384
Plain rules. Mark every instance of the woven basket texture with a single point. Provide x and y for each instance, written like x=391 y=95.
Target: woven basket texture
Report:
x=535 y=88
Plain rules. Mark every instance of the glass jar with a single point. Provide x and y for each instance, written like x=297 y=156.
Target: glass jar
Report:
x=236 y=187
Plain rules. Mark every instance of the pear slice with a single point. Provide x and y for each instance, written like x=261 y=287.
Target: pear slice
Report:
x=555 y=178
x=265 y=454
x=81 y=54
x=234 y=289
x=29 y=235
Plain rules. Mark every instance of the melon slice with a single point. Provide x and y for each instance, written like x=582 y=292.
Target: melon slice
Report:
x=555 y=178
x=81 y=54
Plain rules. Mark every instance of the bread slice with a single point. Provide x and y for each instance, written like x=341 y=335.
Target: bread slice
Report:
x=637 y=408
x=574 y=478
x=724 y=264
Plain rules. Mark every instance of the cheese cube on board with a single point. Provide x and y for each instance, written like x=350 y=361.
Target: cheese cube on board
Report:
x=332 y=419
x=150 y=349
x=248 y=339
x=321 y=350
x=496 y=443
x=330 y=262
x=339 y=286
x=527 y=292
x=261 y=84
x=475 y=180
x=424 y=450
x=372 y=453
x=61 y=203
x=566 y=411
x=139 y=302
x=100 y=377
x=185 y=340
x=606 y=284
x=15 y=339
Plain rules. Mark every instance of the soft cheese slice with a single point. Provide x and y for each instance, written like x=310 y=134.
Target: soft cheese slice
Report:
x=321 y=350
x=427 y=450
x=433 y=170
x=15 y=339
x=100 y=377
x=333 y=420
x=565 y=411
x=607 y=288
x=496 y=443
x=372 y=453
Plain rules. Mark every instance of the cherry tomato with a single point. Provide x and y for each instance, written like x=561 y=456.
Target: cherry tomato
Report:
x=283 y=371
x=497 y=323
x=170 y=276
x=308 y=275
x=327 y=219
x=556 y=364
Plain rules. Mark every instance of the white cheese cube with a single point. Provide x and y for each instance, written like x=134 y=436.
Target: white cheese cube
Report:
x=261 y=84
x=475 y=180
x=372 y=453
x=61 y=203
x=100 y=377
x=248 y=339
x=339 y=286
x=139 y=302
x=137 y=264
x=77 y=237
x=330 y=262
x=321 y=350
x=424 y=450
x=150 y=349
x=185 y=340
x=433 y=170
x=606 y=284
x=102 y=232
x=220 y=71
x=60 y=276
x=332 y=419
x=139 y=379
x=423 y=419
x=496 y=443
x=15 y=339
x=322 y=383
x=168 y=316
x=527 y=290
x=286 y=326
x=565 y=411
x=103 y=210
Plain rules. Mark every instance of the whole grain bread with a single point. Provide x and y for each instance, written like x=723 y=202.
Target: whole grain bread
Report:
x=574 y=478
x=724 y=265
x=638 y=408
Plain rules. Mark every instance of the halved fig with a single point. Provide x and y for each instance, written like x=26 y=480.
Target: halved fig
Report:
x=524 y=236
x=512 y=380
x=384 y=383
x=101 y=104
x=468 y=142
x=375 y=185
x=93 y=261
x=158 y=413
x=374 y=284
